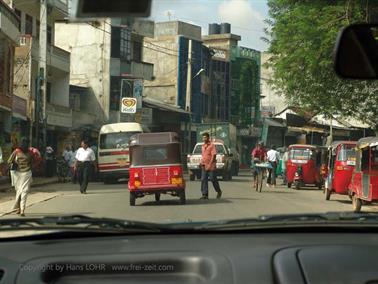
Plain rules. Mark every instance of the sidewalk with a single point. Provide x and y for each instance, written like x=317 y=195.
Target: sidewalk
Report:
x=37 y=181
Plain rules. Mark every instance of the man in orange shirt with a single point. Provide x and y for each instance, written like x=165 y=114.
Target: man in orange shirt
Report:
x=208 y=164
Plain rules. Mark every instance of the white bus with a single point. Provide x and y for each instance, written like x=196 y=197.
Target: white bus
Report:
x=113 y=150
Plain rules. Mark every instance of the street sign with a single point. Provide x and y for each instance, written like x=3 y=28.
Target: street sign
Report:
x=128 y=105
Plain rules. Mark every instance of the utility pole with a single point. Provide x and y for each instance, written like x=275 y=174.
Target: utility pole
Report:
x=42 y=70
x=189 y=94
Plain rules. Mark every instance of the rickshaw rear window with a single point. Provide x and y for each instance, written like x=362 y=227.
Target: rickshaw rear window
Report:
x=156 y=154
x=300 y=154
x=115 y=140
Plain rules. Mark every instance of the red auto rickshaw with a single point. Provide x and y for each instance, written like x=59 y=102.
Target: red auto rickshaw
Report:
x=364 y=184
x=303 y=166
x=155 y=166
x=342 y=159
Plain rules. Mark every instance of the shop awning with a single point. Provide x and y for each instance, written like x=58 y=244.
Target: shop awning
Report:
x=274 y=123
x=161 y=106
x=307 y=129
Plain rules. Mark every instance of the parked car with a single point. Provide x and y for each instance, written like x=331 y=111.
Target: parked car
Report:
x=225 y=161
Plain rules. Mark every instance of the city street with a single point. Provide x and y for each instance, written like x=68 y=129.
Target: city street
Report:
x=238 y=201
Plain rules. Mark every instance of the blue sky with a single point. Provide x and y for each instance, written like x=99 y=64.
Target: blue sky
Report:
x=245 y=16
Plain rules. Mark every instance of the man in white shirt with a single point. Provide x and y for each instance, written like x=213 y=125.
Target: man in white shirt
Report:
x=273 y=158
x=84 y=158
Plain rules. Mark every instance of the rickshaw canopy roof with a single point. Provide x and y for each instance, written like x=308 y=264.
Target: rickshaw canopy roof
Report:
x=303 y=146
x=367 y=142
x=154 y=138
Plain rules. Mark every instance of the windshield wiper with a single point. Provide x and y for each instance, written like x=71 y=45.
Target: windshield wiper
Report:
x=266 y=221
x=79 y=222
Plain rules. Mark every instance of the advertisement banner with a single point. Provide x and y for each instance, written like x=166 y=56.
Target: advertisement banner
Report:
x=128 y=105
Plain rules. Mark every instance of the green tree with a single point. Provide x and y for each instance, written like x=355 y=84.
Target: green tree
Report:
x=302 y=35
x=249 y=91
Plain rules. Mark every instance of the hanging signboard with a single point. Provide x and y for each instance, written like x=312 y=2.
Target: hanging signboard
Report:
x=128 y=105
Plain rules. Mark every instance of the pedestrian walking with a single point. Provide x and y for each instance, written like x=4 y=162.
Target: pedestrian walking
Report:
x=208 y=165
x=285 y=158
x=85 y=158
x=20 y=163
x=273 y=157
x=49 y=156
x=258 y=155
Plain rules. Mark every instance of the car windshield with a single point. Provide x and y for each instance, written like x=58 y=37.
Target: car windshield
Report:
x=250 y=74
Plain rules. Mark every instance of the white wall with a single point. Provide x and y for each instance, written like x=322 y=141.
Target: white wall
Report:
x=164 y=87
x=271 y=98
x=90 y=58
x=60 y=89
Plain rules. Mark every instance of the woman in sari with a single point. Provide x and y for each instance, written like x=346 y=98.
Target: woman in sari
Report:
x=21 y=162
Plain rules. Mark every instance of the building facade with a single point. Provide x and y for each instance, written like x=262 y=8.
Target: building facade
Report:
x=107 y=58
x=28 y=103
x=9 y=36
x=221 y=41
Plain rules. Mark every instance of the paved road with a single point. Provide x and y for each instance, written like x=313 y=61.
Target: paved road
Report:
x=238 y=201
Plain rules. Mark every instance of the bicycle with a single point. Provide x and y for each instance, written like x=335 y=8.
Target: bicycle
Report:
x=259 y=174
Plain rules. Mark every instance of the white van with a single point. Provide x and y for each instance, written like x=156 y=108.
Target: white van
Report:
x=113 y=150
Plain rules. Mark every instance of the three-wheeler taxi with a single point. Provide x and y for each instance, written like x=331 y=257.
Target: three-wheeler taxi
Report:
x=303 y=166
x=364 y=184
x=341 y=162
x=155 y=166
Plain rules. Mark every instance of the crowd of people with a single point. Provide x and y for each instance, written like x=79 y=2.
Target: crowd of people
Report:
x=78 y=165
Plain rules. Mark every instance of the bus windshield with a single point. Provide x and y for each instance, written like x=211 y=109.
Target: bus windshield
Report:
x=117 y=140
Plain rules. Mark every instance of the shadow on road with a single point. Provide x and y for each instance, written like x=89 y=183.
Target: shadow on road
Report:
x=279 y=192
x=240 y=198
x=188 y=202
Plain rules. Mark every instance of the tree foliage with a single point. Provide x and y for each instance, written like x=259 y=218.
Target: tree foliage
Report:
x=302 y=35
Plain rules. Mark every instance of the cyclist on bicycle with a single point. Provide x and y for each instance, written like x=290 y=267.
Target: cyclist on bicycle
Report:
x=258 y=155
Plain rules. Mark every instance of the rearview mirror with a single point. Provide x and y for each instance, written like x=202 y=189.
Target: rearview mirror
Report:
x=89 y=9
x=356 y=52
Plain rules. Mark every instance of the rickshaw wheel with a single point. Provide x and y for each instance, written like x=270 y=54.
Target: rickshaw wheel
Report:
x=357 y=203
x=132 y=199
x=328 y=193
x=297 y=186
x=157 y=197
x=320 y=186
x=261 y=183
x=182 y=197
